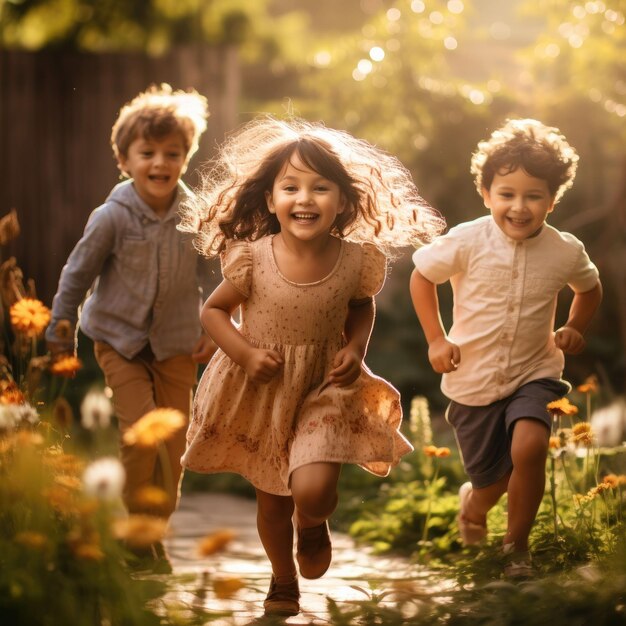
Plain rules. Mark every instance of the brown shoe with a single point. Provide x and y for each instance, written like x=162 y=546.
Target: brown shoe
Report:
x=314 y=550
x=283 y=596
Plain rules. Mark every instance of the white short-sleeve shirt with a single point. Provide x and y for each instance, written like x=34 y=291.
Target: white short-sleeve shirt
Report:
x=505 y=294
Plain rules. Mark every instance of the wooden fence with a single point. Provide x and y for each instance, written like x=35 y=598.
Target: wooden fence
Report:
x=56 y=113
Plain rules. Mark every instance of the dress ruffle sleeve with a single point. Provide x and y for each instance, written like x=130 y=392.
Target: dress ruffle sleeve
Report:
x=236 y=262
x=373 y=273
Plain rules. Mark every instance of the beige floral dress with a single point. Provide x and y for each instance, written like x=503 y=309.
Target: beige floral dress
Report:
x=265 y=431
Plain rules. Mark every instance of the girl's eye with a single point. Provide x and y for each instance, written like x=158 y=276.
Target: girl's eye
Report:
x=290 y=188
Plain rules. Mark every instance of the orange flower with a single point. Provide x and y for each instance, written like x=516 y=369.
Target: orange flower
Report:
x=151 y=498
x=430 y=450
x=66 y=366
x=582 y=433
x=442 y=453
x=225 y=588
x=140 y=531
x=154 y=427
x=215 y=542
x=29 y=316
x=589 y=386
x=11 y=394
x=562 y=407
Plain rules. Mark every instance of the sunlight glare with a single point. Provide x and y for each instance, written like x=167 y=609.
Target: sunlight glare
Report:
x=393 y=15
x=450 y=43
x=377 y=53
x=364 y=66
x=417 y=6
x=455 y=6
x=436 y=17
x=322 y=58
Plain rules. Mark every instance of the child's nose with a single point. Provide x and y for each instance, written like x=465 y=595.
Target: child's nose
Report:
x=304 y=197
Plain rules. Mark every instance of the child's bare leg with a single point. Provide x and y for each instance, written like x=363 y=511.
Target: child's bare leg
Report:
x=480 y=501
x=275 y=528
x=314 y=490
x=529 y=449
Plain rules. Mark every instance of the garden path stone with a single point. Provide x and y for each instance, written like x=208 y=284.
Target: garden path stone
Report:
x=200 y=514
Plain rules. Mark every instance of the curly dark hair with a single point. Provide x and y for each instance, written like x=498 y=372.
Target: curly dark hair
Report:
x=541 y=151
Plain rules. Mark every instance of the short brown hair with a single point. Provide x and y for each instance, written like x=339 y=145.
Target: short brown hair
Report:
x=541 y=151
x=157 y=112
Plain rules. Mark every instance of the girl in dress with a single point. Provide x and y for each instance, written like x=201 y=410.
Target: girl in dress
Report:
x=304 y=218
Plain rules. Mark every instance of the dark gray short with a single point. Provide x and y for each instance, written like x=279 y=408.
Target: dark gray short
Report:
x=483 y=433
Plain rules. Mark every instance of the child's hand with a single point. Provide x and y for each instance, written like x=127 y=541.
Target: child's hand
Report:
x=346 y=367
x=444 y=355
x=569 y=340
x=262 y=365
x=203 y=350
x=58 y=349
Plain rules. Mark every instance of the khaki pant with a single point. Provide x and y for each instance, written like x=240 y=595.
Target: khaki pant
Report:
x=140 y=385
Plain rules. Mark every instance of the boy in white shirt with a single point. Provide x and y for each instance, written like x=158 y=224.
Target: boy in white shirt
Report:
x=501 y=361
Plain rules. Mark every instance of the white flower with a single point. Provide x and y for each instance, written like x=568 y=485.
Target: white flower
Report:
x=609 y=424
x=9 y=417
x=104 y=479
x=96 y=410
x=13 y=415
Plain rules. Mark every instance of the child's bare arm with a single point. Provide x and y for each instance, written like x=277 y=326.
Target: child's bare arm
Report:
x=569 y=337
x=357 y=330
x=260 y=364
x=443 y=354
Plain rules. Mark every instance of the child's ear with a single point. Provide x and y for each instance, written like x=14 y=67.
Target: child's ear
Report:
x=269 y=202
x=486 y=197
x=121 y=166
x=342 y=204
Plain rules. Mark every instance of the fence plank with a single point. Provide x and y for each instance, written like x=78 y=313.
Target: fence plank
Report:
x=56 y=113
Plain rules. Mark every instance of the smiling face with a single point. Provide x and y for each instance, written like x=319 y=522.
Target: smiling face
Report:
x=155 y=165
x=305 y=203
x=519 y=203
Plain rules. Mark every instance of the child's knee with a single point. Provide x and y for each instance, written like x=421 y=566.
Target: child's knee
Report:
x=316 y=502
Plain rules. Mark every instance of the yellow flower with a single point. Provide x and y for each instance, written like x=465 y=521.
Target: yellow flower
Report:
x=154 y=427
x=430 y=450
x=442 y=453
x=66 y=366
x=589 y=386
x=88 y=551
x=140 y=531
x=29 y=316
x=215 y=542
x=225 y=588
x=30 y=539
x=562 y=407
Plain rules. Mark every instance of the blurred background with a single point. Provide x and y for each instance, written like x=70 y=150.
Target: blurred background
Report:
x=424 y=79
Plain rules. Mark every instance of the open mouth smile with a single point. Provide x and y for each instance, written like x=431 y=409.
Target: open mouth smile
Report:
x=305 y=217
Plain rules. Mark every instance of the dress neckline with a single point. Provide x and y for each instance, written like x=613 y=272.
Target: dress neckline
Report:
x=270 y=251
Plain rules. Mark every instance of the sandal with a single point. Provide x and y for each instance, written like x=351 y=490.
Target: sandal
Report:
x=283 y=596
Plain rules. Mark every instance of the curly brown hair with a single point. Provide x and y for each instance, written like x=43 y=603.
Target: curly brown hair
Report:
x=540 y=150
x=157 y=112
